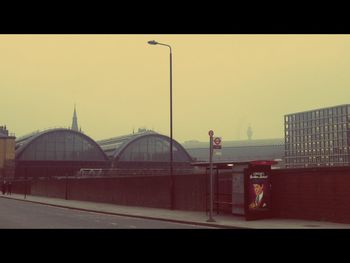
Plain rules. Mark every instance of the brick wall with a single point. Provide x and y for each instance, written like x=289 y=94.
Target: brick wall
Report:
x=312 y=193
x=190 y=192
x=148 y=191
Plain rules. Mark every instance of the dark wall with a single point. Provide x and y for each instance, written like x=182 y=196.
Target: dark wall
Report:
x=20 y=187
x=148 y=191
x=312 y=193
x=309 y=193
x=190 y=192
x=134 y=191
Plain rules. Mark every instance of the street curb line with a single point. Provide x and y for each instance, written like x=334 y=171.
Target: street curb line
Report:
x=130 y=215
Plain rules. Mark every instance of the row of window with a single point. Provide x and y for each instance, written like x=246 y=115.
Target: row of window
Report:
x=323 y=121
x=319 y=128
x=318 y=137
x=318 y=141
x=298 y=151
x=317 y=149
x=303 y=165
x=341 y=110
x=316 y=152
x=316 y=144
x=319 y=159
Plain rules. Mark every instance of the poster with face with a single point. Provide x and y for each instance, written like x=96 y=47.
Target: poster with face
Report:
x=258 y=188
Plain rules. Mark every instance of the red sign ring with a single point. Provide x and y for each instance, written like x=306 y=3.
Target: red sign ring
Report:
x=217 y=141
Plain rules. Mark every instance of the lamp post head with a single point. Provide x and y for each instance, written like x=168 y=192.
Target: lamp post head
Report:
x=152 y=42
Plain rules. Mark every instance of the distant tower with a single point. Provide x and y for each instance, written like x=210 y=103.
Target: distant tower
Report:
x=75 y=121
x=249 y=133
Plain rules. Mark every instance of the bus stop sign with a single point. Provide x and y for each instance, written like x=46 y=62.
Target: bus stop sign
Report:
x=217 y=143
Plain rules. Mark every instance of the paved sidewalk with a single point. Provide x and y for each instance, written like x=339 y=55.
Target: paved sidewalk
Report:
x=197 y=218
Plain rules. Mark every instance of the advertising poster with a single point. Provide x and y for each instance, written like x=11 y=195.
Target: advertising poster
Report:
x=258 y=193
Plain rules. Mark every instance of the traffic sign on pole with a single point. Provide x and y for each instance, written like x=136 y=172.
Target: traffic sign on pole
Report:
x=217 y=143
x=211 y=219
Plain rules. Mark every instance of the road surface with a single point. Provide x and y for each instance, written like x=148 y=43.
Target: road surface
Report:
x=16 y=214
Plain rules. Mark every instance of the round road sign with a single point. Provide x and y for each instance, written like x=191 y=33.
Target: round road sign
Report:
x=211 y=133
x=217 y=140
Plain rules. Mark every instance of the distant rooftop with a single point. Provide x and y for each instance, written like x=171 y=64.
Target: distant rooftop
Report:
x=5 y=133
x=325 y=108
x=239 y=143
x=121 y=138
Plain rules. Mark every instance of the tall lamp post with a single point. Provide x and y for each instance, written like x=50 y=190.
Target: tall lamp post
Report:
x=172 y=192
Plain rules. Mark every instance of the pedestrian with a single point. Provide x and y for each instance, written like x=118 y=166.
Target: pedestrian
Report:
x=3 y=187
x=9 y=188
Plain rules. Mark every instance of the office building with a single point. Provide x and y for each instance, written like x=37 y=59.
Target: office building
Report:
x=318 y=137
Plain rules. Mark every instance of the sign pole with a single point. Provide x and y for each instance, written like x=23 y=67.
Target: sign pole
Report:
x=25 y=182
x=211 y=133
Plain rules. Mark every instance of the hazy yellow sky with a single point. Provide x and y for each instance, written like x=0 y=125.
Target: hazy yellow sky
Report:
x=120 y=83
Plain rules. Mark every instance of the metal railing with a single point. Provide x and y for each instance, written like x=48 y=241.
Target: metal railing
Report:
x=89 y=173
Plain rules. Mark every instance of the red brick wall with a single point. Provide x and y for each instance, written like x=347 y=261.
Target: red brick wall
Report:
x=190 y=192
x=148 y=191
x=312 y=193
x=19 y=187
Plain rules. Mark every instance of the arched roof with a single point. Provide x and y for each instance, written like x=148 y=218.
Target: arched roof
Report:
x=115 y=147
x=24 y=142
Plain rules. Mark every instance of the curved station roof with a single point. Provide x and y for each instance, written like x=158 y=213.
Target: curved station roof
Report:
x=143 y=146
x=58 y=145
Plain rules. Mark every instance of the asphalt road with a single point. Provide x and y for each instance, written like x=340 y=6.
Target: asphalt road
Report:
x=15 y=214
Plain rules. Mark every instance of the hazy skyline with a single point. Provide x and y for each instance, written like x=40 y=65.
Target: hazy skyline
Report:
x=120 y=83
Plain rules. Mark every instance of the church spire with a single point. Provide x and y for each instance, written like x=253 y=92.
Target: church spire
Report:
x=75 y=121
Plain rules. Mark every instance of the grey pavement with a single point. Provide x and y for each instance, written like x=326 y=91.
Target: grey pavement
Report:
x=179 y=216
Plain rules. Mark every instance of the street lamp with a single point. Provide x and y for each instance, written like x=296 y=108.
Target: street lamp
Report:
x=172 y=192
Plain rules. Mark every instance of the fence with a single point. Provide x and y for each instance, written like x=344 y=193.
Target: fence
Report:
x=308 y=193
x=312 y=193
x=135 y=190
